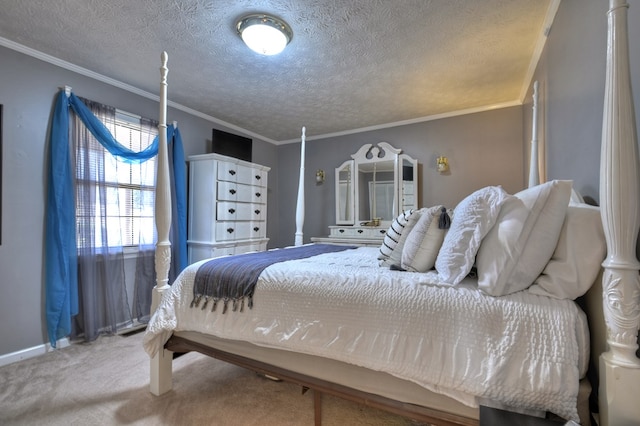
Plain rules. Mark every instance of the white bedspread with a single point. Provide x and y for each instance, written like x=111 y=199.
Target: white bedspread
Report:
x=520 y=350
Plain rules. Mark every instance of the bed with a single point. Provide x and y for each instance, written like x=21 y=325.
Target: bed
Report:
x=439 y=379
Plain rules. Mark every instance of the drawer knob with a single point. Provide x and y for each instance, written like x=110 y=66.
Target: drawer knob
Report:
x=256 y=211
x=382 y=231
x=258 y=194
x=230 y=230
x=360 y=231
x=258 y=177
x=232 y=211
x=232 y=172
x=341 y=231
x=232 y=191
x=256 y=229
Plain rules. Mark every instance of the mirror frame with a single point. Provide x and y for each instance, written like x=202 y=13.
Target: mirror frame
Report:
x=368 y=156
x=349 y=195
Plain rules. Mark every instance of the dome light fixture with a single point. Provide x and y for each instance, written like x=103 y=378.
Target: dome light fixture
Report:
x=264 y=34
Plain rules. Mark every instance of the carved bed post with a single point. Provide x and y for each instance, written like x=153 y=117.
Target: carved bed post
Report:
x=161 y=363
x=300 y=204
x=620 y=208
x=534 y=176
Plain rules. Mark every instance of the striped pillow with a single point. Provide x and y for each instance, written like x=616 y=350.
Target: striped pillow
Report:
x=392 y=236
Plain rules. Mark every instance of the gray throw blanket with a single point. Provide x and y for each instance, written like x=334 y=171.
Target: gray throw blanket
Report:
x=233 y=278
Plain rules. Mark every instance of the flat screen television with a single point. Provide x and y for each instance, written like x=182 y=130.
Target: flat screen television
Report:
x=231 y=145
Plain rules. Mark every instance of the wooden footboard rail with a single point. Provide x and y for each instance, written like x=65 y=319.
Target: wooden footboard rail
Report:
x=319 y=387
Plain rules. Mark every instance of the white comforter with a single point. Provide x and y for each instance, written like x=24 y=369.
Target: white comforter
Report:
x=520 y=350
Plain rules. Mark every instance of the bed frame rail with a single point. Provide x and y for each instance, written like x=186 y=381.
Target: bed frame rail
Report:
x=319 y=387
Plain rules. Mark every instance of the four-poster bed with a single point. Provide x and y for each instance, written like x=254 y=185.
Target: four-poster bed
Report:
x=613 y=313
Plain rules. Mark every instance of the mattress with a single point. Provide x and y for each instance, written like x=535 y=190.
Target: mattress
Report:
x=520 y=350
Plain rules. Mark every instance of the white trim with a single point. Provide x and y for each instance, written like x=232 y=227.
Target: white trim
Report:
x=537 y=51
x=411 y=121
x=33 y=352
x=108 y=80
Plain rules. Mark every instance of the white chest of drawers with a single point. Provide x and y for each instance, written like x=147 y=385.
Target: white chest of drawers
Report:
x=227 y=206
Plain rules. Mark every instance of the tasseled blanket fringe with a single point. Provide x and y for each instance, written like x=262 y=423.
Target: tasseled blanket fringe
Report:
x=237 y=303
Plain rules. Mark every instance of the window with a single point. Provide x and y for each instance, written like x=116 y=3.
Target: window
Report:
x=127 y=195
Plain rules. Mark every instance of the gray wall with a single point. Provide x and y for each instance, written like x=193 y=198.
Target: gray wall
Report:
x=483 y=149
x=572 y=76
x=27 y=91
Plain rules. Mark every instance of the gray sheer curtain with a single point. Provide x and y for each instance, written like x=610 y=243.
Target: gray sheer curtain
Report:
x=102 y=293
x=101 y=280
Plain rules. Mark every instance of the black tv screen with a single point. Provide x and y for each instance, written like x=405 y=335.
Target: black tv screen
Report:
x=231 y=145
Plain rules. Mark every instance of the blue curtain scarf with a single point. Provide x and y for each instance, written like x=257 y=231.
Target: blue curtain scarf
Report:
x=61 y=282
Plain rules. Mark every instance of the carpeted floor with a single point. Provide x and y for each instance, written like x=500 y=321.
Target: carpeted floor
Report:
x=106 y=383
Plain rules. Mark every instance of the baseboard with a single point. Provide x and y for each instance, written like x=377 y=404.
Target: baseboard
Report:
x=33 y=352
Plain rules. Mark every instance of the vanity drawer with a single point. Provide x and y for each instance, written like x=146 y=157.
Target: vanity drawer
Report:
x=357 y=232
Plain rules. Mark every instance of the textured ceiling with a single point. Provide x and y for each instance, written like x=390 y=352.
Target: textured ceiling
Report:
x=352 y=64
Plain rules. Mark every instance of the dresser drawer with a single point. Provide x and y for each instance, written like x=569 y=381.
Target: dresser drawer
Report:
x=198 y=252
x=228 y=210
x=231 y=172
x=246 y=247
x=234 y=191
x=229 y=231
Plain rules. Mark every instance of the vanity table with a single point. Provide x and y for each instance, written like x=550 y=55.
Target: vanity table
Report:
x=371 y=190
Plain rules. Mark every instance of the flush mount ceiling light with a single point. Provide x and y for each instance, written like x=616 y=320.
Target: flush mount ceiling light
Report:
x=264 y=34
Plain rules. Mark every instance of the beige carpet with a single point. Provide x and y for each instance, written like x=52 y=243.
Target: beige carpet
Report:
x=106 y=383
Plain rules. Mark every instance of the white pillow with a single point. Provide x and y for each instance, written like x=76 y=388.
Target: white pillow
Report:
x=472 y=218
x=518 y=247
x=423 y=242
x=392 y=236
x=578 y=257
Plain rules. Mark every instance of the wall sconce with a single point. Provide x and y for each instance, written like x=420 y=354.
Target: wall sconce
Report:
x=320 y=176
x=442 y=164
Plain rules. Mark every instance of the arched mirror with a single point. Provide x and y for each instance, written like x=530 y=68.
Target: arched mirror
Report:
x=373 y=187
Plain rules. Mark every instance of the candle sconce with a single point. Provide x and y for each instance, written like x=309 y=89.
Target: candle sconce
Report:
x=442 y=164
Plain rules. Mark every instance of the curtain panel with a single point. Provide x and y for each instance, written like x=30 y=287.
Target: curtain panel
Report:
x=61 y=253
x=102 y=296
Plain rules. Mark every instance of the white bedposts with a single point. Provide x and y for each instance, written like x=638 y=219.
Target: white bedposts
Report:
x=160 y=381
x=300 y=204
x=619 y=198
x=534 y=176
